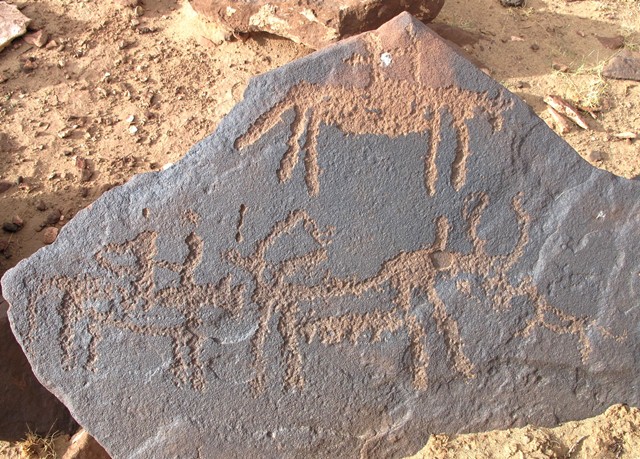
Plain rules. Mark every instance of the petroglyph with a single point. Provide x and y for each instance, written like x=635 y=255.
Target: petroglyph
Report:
x=384 y=106
x=126 y=295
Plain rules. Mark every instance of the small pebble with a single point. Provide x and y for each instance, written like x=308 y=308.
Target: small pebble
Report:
x=85 y=175
x=18 y=221
x=10 y=227
x=54 y=217
x=596 y=156
x=49 y=235
x=512 y=2
x=39 y=38
x=81 y=163
x=559 y=67
x=41 y=206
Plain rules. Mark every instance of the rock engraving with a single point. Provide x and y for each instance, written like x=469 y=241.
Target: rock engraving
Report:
x=383 y=106
x=378 y=244
x=92 y=305
x=89 y=304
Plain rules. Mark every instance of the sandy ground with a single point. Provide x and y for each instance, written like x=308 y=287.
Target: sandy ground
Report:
x=119 y=91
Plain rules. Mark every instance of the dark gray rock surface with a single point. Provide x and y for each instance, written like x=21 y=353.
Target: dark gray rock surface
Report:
x=314 y=23
x=379 y=243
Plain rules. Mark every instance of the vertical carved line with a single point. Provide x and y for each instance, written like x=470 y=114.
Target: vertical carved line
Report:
x=312 y=177
x=448 y=328
x=243 y=210
x=430 y=166
x=257 y=344
x=294 y=378
x=92 y=350
x=179 y=365
x=65 y=337
x=195 y=343
x=291 y=156
x=419 y=355
x=459 y=166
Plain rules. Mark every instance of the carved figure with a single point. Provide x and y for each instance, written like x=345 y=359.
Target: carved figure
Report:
x=384 y=106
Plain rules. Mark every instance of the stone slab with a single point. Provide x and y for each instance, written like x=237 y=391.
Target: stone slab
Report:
x=12 y=24
x=378 y=243
x=623 y=66
x=314 y=23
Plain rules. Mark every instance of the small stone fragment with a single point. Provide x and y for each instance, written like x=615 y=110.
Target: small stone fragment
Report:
x=38 y=38
x=624 y=66
x=560 y=67
x=41 y=205
x=12 y=23
x=616 y=42
x=85 y=175
x=81 y=162
x=28 y=65
x=626 y=135
x=146 y=30
x=84 y=446
x=596 y=156
x=17 y=220
x=512 y=3
x=10 y=227
x=49 y=235
x=565 y=108
x=4 y=186
x=561 y=123
x=53 y=217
